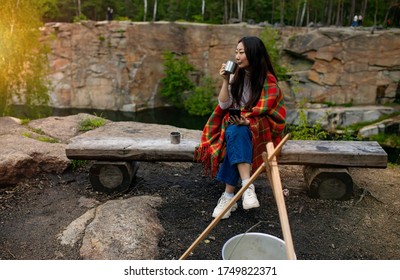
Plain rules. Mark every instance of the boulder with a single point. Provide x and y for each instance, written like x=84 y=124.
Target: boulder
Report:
x=38 y=146
x=126 y=229
x=60 y=128
x=23 y=155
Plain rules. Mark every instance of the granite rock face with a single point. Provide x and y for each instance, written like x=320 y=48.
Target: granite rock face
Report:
x=119 y=65
x=348 y=66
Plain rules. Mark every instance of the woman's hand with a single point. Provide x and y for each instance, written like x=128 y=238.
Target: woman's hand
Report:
x=238 y=121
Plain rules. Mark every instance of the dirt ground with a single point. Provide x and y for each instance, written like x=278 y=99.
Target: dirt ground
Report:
x=367 y=226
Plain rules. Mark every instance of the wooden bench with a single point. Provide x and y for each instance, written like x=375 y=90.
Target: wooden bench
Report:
x=325 y=163
x=117 y=158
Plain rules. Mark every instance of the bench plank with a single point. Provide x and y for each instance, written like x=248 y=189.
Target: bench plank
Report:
x=334 y=153
x=294 y=152
x=130 y=149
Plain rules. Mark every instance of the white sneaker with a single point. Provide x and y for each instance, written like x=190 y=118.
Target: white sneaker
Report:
x=250 y=198
x=222 y=202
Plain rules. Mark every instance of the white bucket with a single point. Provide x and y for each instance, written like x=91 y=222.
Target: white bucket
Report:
x=254 y=246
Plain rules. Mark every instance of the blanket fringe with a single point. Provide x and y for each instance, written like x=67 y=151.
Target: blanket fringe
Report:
x=210 y=163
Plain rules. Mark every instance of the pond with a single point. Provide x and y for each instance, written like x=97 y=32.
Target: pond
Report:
x=165 y=115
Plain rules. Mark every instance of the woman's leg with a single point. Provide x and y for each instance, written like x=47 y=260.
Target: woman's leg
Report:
x=240 y=151
x=230 y=189
x=244 y=170
x=230 y=176
x=236 y=164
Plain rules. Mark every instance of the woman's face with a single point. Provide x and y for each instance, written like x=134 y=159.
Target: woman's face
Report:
x=241 y=58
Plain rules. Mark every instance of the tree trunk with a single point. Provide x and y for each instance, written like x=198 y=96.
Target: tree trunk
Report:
x=387 y=13
x=240 y=9
x=364 y=8
x=126 y=8
x=231 y=10
x=303 y=12
x=329 y=13
x=282 y=12
x=352 y=11
x=155 y=10
x=338 y=14
x=243 y=2
x=323 y=13
x=79 y=8
x=203 y=8
x=225 y=11
x=145 y=10
x=297 y=14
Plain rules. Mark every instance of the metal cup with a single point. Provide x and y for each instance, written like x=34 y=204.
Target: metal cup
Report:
x=230 y=67
x=175 y=137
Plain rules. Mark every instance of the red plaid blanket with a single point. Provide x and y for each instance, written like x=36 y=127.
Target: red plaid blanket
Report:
x=267 y=122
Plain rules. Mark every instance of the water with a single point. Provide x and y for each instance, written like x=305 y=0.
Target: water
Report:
x=165 y=115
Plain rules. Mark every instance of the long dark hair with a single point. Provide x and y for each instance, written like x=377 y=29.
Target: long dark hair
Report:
x=260 y=65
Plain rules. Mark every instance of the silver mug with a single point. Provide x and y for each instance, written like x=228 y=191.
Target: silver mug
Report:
x=230 y=67
x=175 y=137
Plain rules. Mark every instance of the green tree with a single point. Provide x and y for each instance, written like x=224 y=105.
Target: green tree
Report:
x=287 y=12
x=23 y=60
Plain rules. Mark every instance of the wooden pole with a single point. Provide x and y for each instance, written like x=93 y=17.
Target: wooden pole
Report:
x=219 y=217
x=278 y=148
x=239 y=194
x=272 y=169
x=268 y=158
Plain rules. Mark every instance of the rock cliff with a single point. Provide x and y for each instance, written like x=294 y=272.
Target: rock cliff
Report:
x=347 y=66
x=118 y=65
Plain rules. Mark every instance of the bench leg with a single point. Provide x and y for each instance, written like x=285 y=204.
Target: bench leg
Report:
x=328 y=183
x=110 y=176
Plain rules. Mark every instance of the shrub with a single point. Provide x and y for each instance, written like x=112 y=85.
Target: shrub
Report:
x=201 y=101
x=91 y=123
x=78 y=163
x=176 y=82
x=305 y=132
x=79 y=18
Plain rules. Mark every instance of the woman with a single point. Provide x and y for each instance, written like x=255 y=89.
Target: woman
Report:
x=238 y=142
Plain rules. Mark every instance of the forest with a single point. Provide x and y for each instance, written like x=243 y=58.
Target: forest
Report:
x=274 y=12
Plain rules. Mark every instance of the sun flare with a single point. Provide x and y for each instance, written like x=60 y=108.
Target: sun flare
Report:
x=22 y=57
